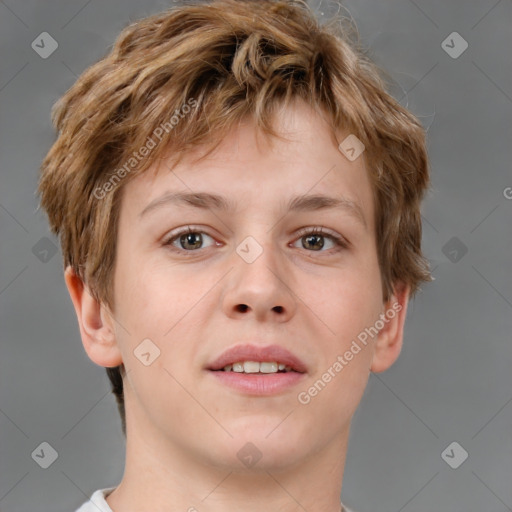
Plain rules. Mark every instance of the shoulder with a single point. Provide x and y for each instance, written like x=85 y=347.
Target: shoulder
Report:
x=97 y=502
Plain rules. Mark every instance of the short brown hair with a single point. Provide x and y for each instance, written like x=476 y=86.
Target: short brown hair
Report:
x=230 y=59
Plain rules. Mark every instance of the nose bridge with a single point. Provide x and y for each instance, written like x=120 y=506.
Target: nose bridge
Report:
x=259 y=259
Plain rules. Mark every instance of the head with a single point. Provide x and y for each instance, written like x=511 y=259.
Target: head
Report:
x=183 y=94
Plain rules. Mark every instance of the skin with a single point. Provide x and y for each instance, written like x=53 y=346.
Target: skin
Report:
x=184 y=429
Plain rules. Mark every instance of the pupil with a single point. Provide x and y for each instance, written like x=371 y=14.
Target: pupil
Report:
x=317 y=237
x=189 y=238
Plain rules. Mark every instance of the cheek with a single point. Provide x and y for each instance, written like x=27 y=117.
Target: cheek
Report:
x=161 y=304
x=141 y=288
x=343 y=370
x=142 y=314
x=350 y=309
x=353 y=298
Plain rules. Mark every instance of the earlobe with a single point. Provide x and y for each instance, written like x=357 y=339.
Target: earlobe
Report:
x=390 y=338
x=95 y=323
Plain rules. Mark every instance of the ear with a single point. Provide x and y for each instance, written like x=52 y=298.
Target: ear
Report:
x=388 y=345
x=95 y=322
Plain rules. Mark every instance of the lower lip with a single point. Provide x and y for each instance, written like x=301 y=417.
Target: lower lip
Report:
x=258 y=383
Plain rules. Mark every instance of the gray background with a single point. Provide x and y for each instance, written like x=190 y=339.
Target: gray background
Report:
x=452 y=381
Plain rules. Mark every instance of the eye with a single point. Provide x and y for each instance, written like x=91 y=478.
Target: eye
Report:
x=314 y=238
x=189 y=239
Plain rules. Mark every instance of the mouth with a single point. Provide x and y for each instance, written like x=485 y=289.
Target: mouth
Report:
x=258 y=371
x=254 y=359
x=257 y=368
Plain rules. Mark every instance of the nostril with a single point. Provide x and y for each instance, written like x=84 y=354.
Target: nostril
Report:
x=279 y=309
x=242 y=307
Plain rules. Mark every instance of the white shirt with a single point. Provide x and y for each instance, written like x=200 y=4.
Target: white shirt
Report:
x=97 y=503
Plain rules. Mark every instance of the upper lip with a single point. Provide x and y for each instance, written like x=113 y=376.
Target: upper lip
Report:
x=239 y=353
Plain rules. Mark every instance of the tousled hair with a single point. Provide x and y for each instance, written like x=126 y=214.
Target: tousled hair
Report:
x=182 y=79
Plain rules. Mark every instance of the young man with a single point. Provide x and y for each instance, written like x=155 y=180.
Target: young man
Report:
x=238 y=201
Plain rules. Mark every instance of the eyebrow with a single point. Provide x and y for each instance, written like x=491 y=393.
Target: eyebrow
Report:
x=301 y=203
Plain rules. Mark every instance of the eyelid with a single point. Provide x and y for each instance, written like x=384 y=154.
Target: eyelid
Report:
x=175 y=234
x=339 y=241
x=321 y=230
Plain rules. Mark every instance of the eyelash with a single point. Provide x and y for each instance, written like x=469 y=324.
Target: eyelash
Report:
x=339 y=241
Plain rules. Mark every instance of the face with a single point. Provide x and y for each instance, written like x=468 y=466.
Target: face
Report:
x=197 y=280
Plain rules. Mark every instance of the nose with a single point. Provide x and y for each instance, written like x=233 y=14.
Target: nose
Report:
x=260 y=283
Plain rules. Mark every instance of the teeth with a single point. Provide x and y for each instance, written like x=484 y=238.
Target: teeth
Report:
x=238 y=367
x=267 y=367
x=251 y=367
x=256 y=367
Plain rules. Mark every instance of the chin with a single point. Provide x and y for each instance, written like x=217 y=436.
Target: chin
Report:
x=262 y=446
x=252 y=458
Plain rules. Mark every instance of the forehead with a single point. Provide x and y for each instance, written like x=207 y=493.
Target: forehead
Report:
x=248 y=170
